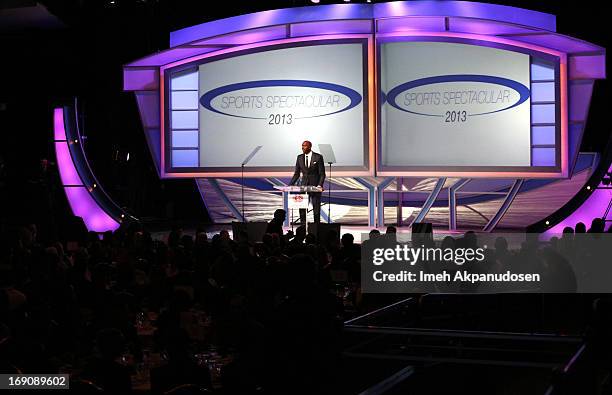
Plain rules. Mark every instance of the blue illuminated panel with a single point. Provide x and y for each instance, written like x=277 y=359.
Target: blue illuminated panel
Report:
x=185 y=139
x=184 y=119
x=185 y=158
x=184 y=100
x=184 y=80
x=543 y=113
x=543 y=156
x=541 y=71
x=543 y=91
x=543 y=135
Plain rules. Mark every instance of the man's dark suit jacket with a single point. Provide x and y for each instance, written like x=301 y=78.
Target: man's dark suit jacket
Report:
x=314 y=175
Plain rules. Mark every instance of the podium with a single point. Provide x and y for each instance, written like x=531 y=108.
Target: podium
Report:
x=298 y=196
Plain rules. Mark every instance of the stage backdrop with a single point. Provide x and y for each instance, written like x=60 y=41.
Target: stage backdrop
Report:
x=450 y=105
x=225 y=107
x=446 y=106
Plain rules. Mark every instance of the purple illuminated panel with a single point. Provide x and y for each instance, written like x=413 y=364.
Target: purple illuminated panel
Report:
x=247 y=36
x=466 y=9
x=83 y=205
x=140 y=79
x=580 y=98
x=331 y=27
x=364 y=11
x=594 y=207
x=68 y=173
x=172 y=55
x=543 y=156
x=59 y=132
x=479 y=26
x=410 y=24
x=148 y=104
x=153 y=141
x=270 y=18
x=559 y=42
x=574 y=139
x=587 y=66
x=80 y=200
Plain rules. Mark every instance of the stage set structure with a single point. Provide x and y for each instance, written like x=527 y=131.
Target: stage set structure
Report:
x=193 y=100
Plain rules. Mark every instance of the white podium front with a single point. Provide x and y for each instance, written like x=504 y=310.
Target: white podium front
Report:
x=298 y=196
x=298 y=200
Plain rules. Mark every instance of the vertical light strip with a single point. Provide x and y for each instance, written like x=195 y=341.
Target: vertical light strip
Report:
x=372 y=104
x=162 y=122
x=81 y=202
x=68 y=173
x=182 y=113
x=564 y=115
x=59 y=132
x=543 y=155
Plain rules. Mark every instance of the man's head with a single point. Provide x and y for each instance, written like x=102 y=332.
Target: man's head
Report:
x=306 y=146
x=348 y=240
x=280 y=214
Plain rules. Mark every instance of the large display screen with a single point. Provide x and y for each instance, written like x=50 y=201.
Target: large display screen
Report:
x=274 y=98
x=445 y=106
x=453 y=106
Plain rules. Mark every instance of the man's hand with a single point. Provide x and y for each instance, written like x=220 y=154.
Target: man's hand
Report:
x=321 y=187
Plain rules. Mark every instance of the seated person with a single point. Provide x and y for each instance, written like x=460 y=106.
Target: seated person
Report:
x=276 y=225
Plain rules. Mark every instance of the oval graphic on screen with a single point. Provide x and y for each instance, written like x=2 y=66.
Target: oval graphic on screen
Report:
x=473 y=94
x=299 y=98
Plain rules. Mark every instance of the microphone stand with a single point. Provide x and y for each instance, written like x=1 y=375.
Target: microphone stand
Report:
x=242 y=190
x=328 y=152
x=246 y=160
x=329 y=193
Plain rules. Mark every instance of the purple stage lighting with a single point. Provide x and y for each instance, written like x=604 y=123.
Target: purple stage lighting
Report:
x=81 y=202
x=594 y=207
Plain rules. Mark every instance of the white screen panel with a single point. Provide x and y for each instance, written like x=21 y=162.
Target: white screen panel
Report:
x=450 y=105
x=279 y=98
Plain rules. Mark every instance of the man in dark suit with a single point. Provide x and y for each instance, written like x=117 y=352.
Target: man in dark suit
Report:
x=311 y=166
